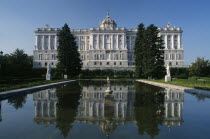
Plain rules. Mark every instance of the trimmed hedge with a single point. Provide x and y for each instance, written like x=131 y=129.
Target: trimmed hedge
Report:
x=180 y=72
x=106 y=73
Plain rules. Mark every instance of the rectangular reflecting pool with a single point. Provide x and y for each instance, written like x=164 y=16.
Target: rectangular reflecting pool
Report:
x=95 y=109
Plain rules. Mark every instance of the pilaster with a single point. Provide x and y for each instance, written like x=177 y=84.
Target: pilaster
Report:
x=166 y=41
x=117 y=47
x=43 y=42
x=85 y=42
x=55 y=43
x=49 y=42
x=36 y=43
x=172 y=41
x=130 y=46
x=179 y=41
x=112 y=42
x=104 y=41
x=98 y=41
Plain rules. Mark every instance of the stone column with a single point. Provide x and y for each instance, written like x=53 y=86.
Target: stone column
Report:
x=79 y=42
x=98 y=41
x=49 y=42
x=35 y=109
x=90 y=109
x=90 y=42
x=36 y=43
x=104 y=42
x=48 y=109
x=122 y=37
x=116 y=109
x=55 y=109
x=102 y=109
x=172 y=41
x=112 y=42
x=123 y=110
x=179 y=110
x=42 y=108
x=166 y=42
x=130 y=47
x=97 y=109
x=43 y=42
x=179 y=41
x=55 y=46
x=117 y=47
x=125 y=43
x=85 y=40
x=172 y=109
x=166 y=110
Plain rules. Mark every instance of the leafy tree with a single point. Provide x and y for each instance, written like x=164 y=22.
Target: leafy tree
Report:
x=69 y=62
x=200 y=67
x=17 y=61
x=149 y=53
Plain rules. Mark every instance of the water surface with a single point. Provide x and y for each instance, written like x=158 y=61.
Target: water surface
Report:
x=82 y=110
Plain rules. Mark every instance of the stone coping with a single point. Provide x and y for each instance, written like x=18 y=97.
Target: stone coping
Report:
x=6 y=94
x=176 y=87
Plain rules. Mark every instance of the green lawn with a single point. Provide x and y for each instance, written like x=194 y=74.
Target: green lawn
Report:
x=5 y=86
x=193 y=82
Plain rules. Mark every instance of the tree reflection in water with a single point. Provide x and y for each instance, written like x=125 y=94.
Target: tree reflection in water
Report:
x=17 y=101
x=68 y=100
x=149 y=108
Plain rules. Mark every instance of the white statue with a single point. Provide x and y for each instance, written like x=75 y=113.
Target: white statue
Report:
x=48 y=75
x=168 y=75
x=168 y=70
x=49 y=68
x=107 y=79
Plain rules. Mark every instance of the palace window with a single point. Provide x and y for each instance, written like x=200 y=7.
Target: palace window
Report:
x=53 y=57
x=46 y=56
x=107 y=63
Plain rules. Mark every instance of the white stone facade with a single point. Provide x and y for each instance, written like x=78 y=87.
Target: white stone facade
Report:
x=105 y=47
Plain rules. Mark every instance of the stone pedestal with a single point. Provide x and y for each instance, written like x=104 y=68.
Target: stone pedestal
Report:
x=48 y=77
x=167 y=78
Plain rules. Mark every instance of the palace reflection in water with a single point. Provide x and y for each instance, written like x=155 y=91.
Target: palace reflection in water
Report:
x=173 y=108
x=45 y=109
x=108 y=111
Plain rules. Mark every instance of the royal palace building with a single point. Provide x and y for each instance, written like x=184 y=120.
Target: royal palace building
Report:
x=107 y=46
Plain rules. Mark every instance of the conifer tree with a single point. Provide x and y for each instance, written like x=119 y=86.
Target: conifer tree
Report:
x=69 y=62
x=138 y=50
x=150 y=54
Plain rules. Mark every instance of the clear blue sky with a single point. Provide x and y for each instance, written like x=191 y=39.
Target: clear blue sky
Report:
x=19 y=19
